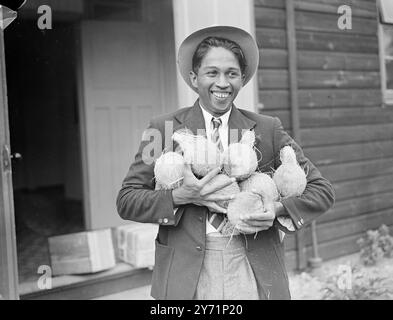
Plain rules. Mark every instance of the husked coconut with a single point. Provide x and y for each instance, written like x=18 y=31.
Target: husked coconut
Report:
x=168 y=170
x=248 y=138
x=289 y=177
x=202 y=154
x=262 y=184
x=240 y=159
x=243 y=204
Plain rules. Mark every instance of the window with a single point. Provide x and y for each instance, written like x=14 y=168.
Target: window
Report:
x=386 y=48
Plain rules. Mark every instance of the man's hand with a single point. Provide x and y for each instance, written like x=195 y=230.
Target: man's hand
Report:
x=197 y=192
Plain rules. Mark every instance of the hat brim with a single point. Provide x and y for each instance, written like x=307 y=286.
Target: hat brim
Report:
x=240 y=36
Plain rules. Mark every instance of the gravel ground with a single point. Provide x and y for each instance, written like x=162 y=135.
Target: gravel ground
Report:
x=309 y=285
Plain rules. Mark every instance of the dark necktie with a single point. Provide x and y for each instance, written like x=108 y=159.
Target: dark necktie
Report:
x=216 y=134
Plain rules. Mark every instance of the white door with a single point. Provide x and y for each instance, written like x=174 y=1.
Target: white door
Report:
x=120 y=92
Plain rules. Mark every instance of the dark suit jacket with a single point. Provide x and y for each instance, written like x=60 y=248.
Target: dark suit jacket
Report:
x=181 y=238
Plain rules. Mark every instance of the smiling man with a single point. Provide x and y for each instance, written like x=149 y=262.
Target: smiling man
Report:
x=196 y=256
x=217 y=75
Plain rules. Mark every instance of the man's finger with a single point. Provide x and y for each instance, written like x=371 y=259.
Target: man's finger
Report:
x=250 y=229
x=219 y=197
x=259 y=224
x=258 y=216
x=214 y=207
x=222 y=184
x=210 y=175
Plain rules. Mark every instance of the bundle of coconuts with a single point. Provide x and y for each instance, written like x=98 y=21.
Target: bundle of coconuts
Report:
x=254 y=191
x=288 y=180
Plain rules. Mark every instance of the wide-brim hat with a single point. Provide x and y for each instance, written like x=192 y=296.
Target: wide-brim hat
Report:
x=240 y=36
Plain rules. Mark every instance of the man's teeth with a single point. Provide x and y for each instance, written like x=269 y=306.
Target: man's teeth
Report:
x=221 y=95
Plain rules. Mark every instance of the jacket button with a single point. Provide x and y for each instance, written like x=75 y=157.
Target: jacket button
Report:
x=165 y=220
x=199 y=248
x=200 y=218
x=160 y=220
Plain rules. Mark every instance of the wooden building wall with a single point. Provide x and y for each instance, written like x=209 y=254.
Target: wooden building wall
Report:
x=344 y=127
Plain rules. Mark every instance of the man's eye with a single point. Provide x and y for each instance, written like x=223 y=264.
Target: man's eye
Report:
x=233 y=74
x=211 y=73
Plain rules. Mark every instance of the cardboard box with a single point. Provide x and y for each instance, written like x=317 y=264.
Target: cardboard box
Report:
x=135 y=244
x=82 y=252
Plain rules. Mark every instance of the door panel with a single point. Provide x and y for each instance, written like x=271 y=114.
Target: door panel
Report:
x=8 y=262
x=121 y=93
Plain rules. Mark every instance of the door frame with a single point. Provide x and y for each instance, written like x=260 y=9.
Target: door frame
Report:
x=8 y=254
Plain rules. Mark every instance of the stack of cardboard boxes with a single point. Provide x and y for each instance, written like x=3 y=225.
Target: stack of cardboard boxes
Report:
x=94 y=251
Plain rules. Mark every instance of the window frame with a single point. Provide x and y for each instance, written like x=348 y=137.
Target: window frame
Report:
x=387 y=94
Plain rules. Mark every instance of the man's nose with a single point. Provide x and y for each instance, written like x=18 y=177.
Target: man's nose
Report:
x=222 y=81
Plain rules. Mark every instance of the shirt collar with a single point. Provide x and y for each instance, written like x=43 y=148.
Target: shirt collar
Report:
x=208 y=117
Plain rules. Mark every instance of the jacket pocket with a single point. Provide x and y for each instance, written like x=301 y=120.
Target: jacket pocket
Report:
x=162 y=266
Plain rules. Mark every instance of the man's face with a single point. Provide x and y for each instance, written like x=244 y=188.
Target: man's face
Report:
x=218 y=80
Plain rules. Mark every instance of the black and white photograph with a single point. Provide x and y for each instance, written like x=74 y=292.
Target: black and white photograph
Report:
x=209 y=151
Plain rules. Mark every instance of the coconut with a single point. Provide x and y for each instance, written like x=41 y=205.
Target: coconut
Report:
x=168 y=170
x=240 y=160
x=202 y=154
x=243 y=204
x=233 y=188
x=289 y=177
x=248 y=138
x=262 y=184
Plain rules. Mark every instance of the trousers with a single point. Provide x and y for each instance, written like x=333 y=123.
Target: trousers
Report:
x=226 y=272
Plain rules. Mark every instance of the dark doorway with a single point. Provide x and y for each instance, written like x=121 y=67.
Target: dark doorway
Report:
x=44 y=126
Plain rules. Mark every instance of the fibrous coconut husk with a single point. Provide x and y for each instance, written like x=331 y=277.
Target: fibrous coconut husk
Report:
x=202 y=154
x=289 y=177
x=239 y=160
x=245 y=203
x=168 y=170
x=262 y=184
x=248 y=138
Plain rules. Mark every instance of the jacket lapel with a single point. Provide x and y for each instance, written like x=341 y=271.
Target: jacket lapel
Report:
x=192 y=120
x=237 y=123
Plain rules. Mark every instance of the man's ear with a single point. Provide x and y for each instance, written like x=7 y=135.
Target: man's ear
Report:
x=193 y=79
